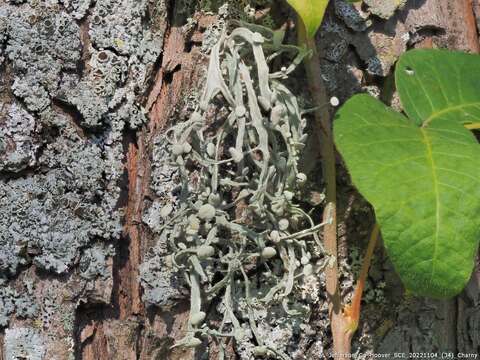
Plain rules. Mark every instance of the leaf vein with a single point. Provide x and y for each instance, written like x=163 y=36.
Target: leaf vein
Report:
x=436 y=114
x=437 y=199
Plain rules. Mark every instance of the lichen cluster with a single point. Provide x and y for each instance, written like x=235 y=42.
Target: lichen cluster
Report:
x=72 y=75
x=238 y=5
x=12 y=300
x=21 y=343
x=234 y=228
x=76 y=164
x=243 y=10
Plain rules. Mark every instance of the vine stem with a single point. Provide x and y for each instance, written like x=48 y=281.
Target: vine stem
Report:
x=352 y=311
x=343 y=320
x=339 y=323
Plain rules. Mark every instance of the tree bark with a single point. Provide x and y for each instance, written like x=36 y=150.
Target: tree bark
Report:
x=87 y=92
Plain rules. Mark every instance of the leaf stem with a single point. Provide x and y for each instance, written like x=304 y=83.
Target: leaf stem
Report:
x=352 y=311
x=338 y=322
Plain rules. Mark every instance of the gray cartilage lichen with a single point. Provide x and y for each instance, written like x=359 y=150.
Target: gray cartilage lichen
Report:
x=230 y=222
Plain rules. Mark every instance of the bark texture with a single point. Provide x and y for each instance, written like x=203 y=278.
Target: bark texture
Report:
x=87 y=91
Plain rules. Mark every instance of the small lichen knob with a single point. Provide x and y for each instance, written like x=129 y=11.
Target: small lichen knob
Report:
x=177 y=149
x=211 y=149
x=197 y=318
x=269 y=252
x=301 y=178
x=206 y=212
x=205 y=251
x=275 y=236
x=214 y=199
x=236 y=155
x=260 y=351
x=308 y=270
x=166 y=211
x=283 y=224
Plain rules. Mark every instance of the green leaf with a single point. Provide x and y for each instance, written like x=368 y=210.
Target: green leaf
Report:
x=439 y=84
x=421 y=174
x=311 y=12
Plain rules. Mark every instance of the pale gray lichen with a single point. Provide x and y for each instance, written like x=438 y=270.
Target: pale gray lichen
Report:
x=117 y=25
x=41 y=44
x=44 y=46
x=160 y=283
x=24 y=343
x=68 y=321
x=66 y=103
x=164 y=178
x=123 y=51
x=72 y=199
x=19 y=302
x=39 y=227
x=157 y=213
x=19 y=141
x=78 y=8
x=232 y=182
x=107 y=73
x=50 y=217
x=7 y=304
x=26 y=307
x=93 y=262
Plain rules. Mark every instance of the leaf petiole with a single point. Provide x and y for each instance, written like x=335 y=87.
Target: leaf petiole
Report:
x=352 y=311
